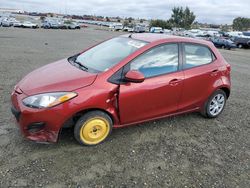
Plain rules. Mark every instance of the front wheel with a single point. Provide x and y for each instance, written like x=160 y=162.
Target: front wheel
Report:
x=215 y=104
x=93 y=128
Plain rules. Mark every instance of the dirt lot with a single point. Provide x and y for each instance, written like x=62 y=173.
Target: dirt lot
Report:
x=183 y=151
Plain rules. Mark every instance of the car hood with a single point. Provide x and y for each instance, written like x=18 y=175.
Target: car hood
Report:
x=58 y=76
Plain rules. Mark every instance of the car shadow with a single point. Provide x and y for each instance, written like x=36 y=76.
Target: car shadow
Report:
x=66 y=136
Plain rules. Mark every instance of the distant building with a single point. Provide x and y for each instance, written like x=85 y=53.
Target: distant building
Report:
x=10 y=10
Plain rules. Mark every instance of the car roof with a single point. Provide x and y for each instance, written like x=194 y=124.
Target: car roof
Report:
x=153 y=37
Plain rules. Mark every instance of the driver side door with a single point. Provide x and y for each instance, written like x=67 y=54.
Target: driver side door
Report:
x=160 y=92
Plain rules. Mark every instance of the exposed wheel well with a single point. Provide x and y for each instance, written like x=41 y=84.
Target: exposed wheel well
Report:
x=226 y=90
x=71 y=122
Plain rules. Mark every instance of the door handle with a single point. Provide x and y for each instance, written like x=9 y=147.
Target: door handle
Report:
x=174 y=82
x=214 y=72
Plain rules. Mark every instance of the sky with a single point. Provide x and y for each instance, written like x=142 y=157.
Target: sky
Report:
x=206 y=11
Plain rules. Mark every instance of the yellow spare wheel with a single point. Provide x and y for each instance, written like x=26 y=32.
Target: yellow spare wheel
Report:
x=93 y=128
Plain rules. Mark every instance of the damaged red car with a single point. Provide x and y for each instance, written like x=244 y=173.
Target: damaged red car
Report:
x=122 y=81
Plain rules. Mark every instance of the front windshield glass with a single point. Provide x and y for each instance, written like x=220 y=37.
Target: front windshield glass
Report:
x=107 y=54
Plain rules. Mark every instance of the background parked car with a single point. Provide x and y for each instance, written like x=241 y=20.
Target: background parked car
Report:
x=52 y=24
x=6 y=22
x=156 y=30
x=242 y=42
x=203 y=37
x=139 y=28
x=28 y=24
x=74 y=25
x=246 y=34
x=224 y=43
x=116 y=26
x=128 y=29
x=70 y=25
x=224 y=34
x=83 y=25
x=17 y=24
x=235 y=33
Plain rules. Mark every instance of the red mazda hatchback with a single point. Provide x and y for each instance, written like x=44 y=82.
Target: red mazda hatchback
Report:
x=119 y=82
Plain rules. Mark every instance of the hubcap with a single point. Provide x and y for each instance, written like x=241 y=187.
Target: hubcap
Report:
x=217 y=104
x=94 y=130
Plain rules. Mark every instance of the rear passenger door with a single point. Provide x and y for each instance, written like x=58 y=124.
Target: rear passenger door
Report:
x=200 y=73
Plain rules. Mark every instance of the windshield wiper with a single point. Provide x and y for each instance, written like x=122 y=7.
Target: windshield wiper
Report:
x=73 y=60
x=81 y=65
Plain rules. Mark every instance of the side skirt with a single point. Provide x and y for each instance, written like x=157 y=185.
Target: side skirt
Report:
x=197 y=109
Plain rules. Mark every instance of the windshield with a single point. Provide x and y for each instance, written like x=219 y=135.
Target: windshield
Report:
x=107 y=54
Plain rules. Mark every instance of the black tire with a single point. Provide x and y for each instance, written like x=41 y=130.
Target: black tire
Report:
x=206 y=111
x=87 y=117
x=248 y=44
x=240 y=46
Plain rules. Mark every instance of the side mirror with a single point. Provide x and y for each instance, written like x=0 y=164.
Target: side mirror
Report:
x=134 y=76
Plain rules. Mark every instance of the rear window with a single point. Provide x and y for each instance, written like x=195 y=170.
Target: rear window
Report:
x=196 y=55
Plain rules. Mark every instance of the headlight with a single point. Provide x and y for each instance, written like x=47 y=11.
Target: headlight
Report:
x=46 y=100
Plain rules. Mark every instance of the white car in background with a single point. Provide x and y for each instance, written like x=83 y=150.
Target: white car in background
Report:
x=1 y=18
x=235 y=34
x=74 y=25
x=156 y=30
x=139 y=28
x=28 y=24
x=116 y=27
x=17 y=24
x=128 y=29
x=6 y=22
x=167 y=31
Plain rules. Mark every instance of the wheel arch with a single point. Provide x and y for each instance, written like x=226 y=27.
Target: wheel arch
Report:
x=226 y=90
x=73 y=119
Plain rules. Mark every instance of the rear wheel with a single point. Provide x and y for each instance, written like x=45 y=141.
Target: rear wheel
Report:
x=215 y=104
x=240 y=46
x=93 y=128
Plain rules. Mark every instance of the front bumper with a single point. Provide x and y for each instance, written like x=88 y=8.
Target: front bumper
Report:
x=40 y=125
x=16 y=113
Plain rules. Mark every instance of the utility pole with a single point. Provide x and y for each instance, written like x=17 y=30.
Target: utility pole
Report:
x=65 y=7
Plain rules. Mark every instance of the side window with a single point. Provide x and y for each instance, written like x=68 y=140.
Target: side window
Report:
x=197 y=55
x=159 y=60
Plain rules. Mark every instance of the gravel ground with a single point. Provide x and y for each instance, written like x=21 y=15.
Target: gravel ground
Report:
x=182 y=151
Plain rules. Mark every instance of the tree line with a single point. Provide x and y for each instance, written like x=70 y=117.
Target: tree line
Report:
x=180 y=18
x=184 y=18
x=241 y=24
